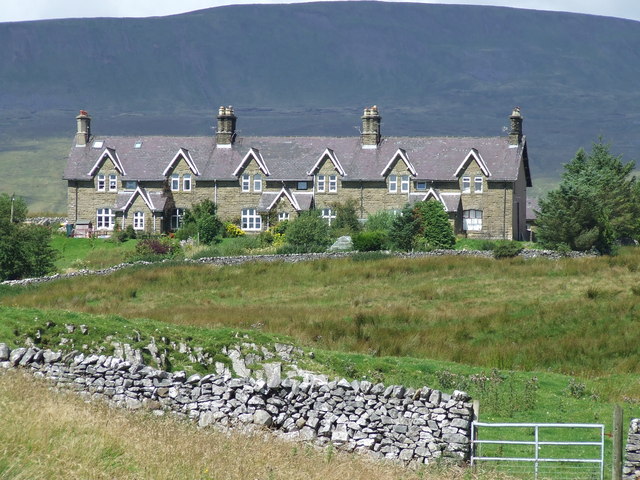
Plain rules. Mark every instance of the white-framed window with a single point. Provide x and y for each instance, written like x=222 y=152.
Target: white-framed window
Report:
x=421 y=186
x=477 y=184
x=333 y=183
x=472 y=220
x=176 y=218
x=175 y=182
x=251 y=220
x=466 y=184
x=104 y=219
x=138 y=221
x=321 y=184
x=246 y=182
x=329 y=215
x=393 y=183
x=282 y=216
x=100 y=182
x=186 y=182
x=130 y=185
x=303 y=186
x=257 y=182
x=404 y=184
x=113 y=182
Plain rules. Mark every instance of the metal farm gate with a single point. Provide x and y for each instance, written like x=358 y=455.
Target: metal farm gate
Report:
x=540 y=450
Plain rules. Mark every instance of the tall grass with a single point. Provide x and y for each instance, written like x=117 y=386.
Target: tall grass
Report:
x=47 y=434
x=573 y=316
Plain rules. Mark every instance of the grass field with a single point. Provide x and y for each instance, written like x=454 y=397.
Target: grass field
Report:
x=46 y=434
x=534 y=340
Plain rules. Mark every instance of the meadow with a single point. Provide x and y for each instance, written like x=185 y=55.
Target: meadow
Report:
x=534 y=340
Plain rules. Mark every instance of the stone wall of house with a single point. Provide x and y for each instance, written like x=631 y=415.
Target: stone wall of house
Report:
x=631 y=467
x=392 y=422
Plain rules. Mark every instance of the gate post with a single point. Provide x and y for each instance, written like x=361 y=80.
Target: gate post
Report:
x=616 y=454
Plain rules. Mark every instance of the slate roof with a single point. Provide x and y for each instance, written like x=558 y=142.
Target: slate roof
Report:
x=292 y=158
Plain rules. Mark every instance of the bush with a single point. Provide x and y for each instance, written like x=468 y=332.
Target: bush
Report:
x=369 y=241
x=346 y=221
x=231 y=230
x=506 y=249
x=201 y=221
x=154 y=249
x=308 y=233
x=436 y=229
x=25 y=251
x=381 y=221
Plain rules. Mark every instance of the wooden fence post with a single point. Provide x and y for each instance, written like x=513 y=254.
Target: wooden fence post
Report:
x=616 y=454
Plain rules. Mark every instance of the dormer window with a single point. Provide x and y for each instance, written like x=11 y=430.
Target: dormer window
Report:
x=130 y=185
x=246 y=182
x=404 y=184
x=333 y=183
x=421 y=186
x=175 y=182
x=186 y=182
x=100 y=182
x=393 y=184
x=303 y=185
x=477 y=184
x=113 y=182
x=466 y=184
x=321 y=183
x=257 y=182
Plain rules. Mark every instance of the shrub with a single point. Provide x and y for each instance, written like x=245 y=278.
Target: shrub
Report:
x=381 y=221
x=436 y=229
x=201 y=221
x=346 y=217
x=231 y=230
x=506 y=249
x=308 y=233
x=154 y=249
x=404 y=229
x=369 y=241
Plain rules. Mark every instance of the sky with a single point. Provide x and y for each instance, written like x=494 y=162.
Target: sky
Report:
x=21 y=10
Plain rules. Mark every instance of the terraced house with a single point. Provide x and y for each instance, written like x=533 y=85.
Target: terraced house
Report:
x=148 y=182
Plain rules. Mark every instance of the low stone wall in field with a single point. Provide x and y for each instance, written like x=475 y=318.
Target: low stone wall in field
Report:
x=631 y=468
x=392 y=422
x=294 y=258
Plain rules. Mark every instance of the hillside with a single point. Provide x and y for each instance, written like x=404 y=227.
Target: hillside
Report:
x=310 y=68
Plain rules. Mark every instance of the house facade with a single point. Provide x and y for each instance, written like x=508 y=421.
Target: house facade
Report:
x=148 y=182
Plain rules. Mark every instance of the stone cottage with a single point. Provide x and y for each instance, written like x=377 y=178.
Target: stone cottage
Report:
x=148 y=182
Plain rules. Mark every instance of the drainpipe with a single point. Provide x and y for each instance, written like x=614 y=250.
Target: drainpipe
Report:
x=504 y=213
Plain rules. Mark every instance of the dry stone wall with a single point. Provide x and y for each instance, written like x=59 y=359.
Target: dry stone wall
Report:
x=294 y=258
x=391 y=422
x=631 y=468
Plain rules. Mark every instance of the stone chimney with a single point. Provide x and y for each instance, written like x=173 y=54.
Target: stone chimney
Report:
x=515 y=135
x=370 y=136
x=83 y=133
x=226 y=132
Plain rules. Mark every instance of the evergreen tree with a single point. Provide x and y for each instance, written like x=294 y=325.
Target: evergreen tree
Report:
x=595 y=204
x=436 y=229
